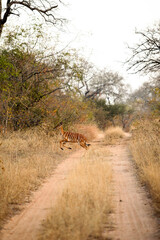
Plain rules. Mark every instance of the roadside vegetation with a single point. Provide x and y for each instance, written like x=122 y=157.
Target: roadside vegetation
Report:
x=85 y=203
x=145 y=148
x=28 y=157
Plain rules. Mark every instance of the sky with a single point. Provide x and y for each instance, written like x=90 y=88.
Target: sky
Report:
x=102 y=29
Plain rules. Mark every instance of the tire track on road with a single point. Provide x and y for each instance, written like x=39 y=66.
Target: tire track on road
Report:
x=133 y=216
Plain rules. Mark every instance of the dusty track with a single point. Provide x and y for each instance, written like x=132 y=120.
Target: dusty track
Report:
x=25 y=226
x=133 y=217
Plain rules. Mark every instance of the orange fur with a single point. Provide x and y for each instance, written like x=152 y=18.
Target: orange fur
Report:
x=73 y=138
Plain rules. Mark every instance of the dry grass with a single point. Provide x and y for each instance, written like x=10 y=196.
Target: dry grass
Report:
x=85 y=203
x=88 y=130
x=28 y=157
x=113 y=134
x=145 y=147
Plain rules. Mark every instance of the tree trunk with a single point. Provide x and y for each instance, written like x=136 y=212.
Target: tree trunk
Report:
x=1 y=26
x=0 y=9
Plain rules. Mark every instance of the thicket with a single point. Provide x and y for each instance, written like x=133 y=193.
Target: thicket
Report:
x=34 y=89
x=46 y=87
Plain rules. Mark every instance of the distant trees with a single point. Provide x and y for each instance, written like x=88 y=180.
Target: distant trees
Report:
x=146 y=54
x=46 y=9
x=112 y=114
x=106 y=84
x=147 y=97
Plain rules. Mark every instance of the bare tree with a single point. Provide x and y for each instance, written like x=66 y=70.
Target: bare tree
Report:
x=108 y=84
x=146 y=54
x=45 y=8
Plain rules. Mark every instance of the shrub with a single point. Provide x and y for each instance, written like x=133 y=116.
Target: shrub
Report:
x=113 y=134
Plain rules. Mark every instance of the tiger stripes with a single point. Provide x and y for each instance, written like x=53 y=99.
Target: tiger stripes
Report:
x=73 y=138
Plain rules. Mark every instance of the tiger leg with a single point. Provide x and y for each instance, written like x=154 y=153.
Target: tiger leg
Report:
x=82 y=144
x=62 y=143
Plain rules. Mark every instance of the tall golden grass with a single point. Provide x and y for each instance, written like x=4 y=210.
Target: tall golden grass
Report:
x=28 y=157
x=113 y=134
x=85 y=202
x=145 y=147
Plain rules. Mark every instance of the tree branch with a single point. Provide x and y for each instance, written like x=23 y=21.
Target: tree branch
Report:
x=146 y=54
x=44 y=8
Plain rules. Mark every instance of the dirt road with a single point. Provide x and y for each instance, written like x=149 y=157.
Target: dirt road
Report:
x=133 y=217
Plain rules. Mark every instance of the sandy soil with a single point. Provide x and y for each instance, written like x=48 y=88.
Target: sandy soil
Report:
x=133 y=217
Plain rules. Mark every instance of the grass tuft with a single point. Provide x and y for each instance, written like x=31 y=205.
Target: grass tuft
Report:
x=113 y=134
